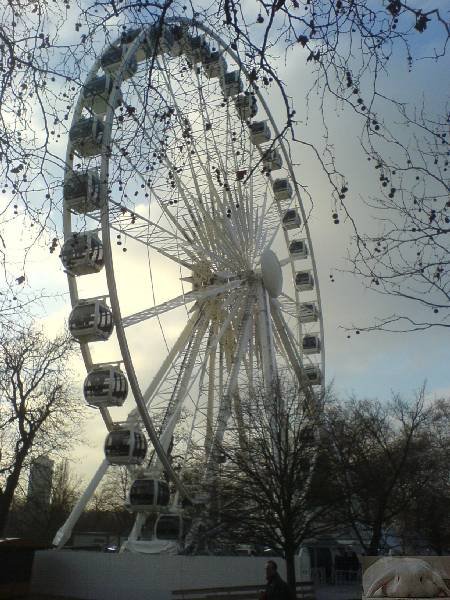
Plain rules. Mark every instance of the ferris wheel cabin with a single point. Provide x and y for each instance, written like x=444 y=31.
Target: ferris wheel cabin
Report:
x=214 y=65
x=96 y=94
x=308 y=312
x=246 y=106
x=171 y=527
x=272 y=160
x=147 y=494
x=82 y=191
x=313 y=373
x=82 y=253
x=231 y=83
x=282 y=189
x=180 y=39
x=86 y=136
x=291 y=219
x=91 y=321
x=311 y=344
x=145 y=49
x=298 y=249
x=105 y=386
x=125 y=446
x=304 y=281
x=196 y=48
x=127 y=37
x=113 y=58
x=259 y=132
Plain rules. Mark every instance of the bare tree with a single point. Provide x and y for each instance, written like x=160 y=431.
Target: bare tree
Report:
x=424 y=524
x=37 y=518
x=39 y=410
x=267 y=495
x=382 y=458
x=112 y=494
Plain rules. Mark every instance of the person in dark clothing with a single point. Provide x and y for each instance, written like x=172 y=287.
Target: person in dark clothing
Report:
x=276 y=588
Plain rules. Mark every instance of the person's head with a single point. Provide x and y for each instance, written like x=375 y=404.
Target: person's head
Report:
x=271 y=569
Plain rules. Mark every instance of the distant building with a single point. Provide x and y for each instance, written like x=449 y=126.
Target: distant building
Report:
x=40 y=483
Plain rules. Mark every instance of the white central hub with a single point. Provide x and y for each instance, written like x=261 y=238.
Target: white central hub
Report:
x=272 y=274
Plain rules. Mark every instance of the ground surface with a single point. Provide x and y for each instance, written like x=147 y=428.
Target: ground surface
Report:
x=339 y=592
x=323 y=592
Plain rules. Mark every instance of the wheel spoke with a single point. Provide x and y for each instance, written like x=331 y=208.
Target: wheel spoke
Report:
x=264 y=321
x=224 y=411
x=193 y=296
x=185 y=383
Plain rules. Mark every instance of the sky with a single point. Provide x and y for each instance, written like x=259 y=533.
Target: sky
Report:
x=374 y=364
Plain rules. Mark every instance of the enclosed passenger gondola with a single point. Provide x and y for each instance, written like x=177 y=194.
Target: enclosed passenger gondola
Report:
x=86 y=136
x=304 y=281
x=165 y=39
x=231 y=83
x=113 y=58
x=272 y=160
x=82 y=191
x=128 y=36
x=195 y=48
x=147 y=46
x=171 y=527
x=298 y=249
x=97 y=92
x=205 y=55
x=148 y=493
x=308 y=312
x=214 y=65
x=125 y=446
x=291 y=219
x=180 y=40
x=282 y=189
x=311 y=344
x=314 y=374
x=91 y=321
x=246 y=106
x=260 y=132
x=105 y=386
x=82 y=253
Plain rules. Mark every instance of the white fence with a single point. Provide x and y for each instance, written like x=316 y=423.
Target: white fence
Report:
x=103 y=576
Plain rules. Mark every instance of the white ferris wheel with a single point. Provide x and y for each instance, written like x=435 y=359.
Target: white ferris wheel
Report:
x=178 y=186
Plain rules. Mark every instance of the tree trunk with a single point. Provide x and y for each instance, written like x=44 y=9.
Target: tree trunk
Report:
x=7 y=496
x=6 y=499
x=374 y=546
x=290 y=570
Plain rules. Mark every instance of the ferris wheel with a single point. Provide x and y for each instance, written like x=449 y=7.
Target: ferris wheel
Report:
x=190 y=264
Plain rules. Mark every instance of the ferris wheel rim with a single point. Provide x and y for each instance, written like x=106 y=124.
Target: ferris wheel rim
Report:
x=126 y=355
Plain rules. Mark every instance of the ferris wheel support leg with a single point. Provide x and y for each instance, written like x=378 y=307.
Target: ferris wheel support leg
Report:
x=65 y=531
x=267 y=344
x=135 y=532
x=224 y=412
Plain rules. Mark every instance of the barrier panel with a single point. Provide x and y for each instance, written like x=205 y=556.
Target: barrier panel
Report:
x=105 y=576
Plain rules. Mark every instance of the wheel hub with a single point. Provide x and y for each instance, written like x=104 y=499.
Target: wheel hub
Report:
x=272 y=274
